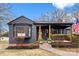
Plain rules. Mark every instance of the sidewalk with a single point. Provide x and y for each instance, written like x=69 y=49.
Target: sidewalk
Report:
x=48 y=47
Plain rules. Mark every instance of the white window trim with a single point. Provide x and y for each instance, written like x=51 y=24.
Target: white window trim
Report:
x=29 y=31
x=16 y=29
x=24 y=27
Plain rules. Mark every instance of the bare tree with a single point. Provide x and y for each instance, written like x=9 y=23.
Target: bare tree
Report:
x=5 y=15
x=76 y=14
x=56 y=16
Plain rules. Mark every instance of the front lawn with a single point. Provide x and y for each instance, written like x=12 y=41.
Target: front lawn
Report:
x=26 y=52
x=70 y=49
x=4 y=41
x=22 y=52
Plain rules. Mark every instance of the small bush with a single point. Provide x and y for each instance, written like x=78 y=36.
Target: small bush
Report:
x=75 y=44
x=49 y=40
x=31 y=46
x=20 y=39
x=40 y=41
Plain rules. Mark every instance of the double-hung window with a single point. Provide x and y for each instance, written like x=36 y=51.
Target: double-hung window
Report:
x=23 y=31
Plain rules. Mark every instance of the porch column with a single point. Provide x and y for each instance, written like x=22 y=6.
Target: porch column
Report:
x=49 y=31
x=61 y=31
x=71 y=32
x=40 y=33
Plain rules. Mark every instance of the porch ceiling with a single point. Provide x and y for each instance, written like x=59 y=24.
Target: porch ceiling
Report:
x=59 y=26
x=44 y=23
x=55 y=25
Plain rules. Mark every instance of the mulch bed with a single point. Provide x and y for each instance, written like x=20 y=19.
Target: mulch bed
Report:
x=24 y=46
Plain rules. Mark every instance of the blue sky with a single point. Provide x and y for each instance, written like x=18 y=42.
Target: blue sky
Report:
x=31 y=10
x=35 y=10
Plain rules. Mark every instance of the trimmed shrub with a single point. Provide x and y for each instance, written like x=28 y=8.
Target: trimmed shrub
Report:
x=75 y=40
x=74 y=43
x=58 y=40
x=60 y=37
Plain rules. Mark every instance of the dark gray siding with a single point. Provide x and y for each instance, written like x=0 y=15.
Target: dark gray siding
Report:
x=33 y=34
x=11 y=32
x=22 y=21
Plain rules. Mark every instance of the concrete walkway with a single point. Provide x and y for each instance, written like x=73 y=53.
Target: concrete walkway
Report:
x=48 y=47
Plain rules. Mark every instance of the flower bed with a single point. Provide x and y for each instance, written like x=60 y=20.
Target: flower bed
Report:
x=24 y=46
x=60 y=40
x=61 y=44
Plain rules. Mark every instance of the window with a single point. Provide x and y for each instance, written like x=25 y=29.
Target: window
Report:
x=20 y=31
x=23 y=31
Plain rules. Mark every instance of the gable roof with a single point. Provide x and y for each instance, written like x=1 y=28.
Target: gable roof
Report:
x=21 y=19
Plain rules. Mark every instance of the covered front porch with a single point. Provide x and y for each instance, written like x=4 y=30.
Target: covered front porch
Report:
x=45 y=30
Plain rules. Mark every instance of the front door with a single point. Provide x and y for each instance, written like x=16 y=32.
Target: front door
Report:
x=45 y=33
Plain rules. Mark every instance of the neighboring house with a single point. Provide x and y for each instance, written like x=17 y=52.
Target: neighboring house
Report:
x=33 y=30
x=4 y=38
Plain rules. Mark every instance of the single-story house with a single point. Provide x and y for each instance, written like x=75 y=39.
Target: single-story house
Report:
x=33 y=30
x=4 y=38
